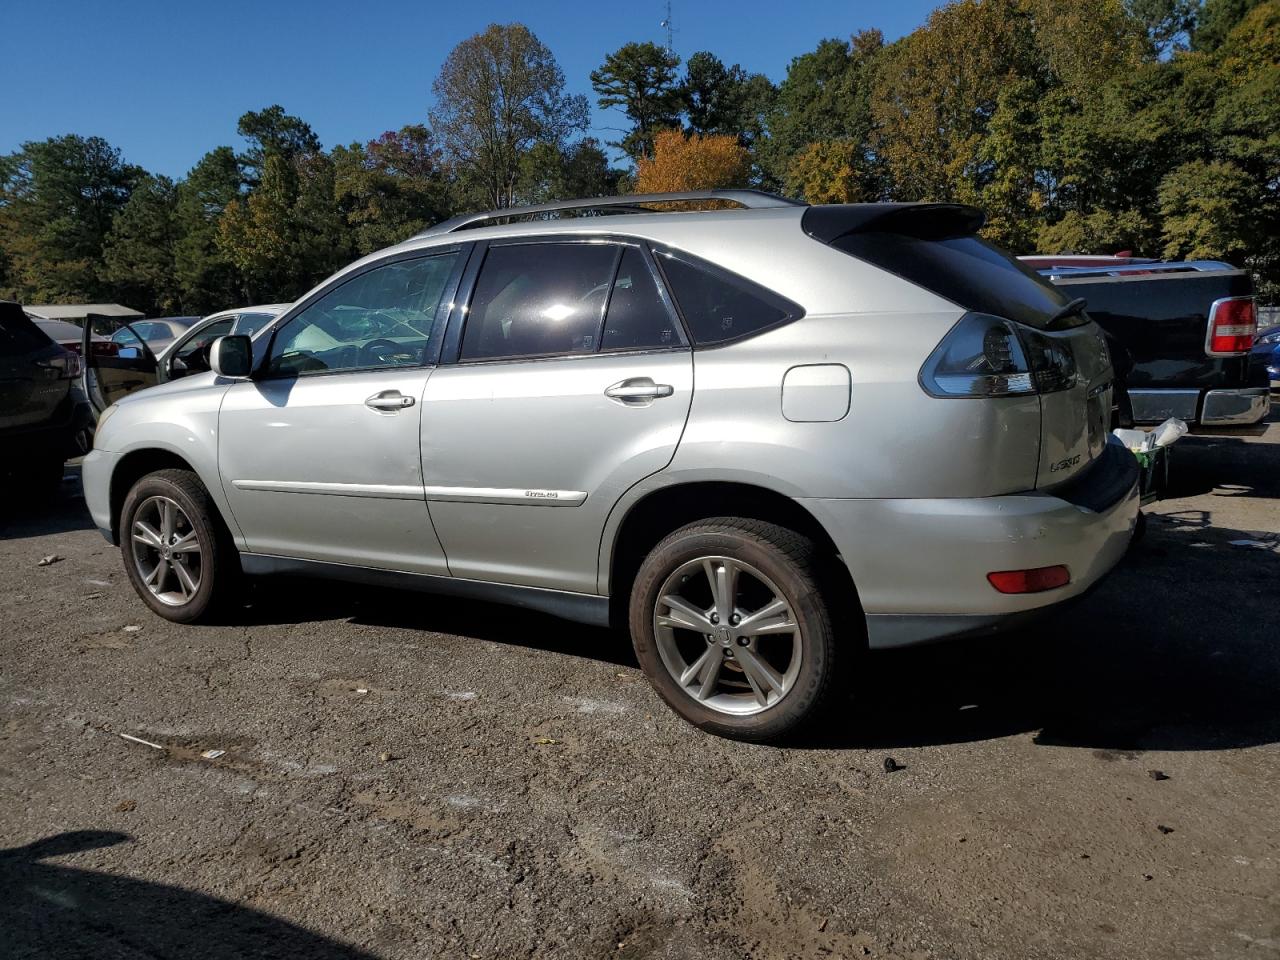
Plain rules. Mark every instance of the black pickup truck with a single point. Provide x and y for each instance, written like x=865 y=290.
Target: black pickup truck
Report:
x=1188 y=328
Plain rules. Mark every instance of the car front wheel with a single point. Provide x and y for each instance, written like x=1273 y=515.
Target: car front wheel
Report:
x=175 y=549
x=731 y=626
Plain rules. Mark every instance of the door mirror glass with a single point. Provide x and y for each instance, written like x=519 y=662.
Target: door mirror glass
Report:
x=231 y=357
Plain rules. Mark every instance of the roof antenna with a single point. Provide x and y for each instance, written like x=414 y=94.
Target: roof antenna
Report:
x=666 y=25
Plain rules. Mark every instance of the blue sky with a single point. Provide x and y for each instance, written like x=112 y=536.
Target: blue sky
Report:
x=165 y=82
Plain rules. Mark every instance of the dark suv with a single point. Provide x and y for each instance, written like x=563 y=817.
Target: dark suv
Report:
x=43 y=414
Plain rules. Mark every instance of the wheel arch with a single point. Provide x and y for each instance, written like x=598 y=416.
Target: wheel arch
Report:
x=642 y=524
x=135 y=465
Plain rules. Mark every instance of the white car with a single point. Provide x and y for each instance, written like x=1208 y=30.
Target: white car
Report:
x=136 y=365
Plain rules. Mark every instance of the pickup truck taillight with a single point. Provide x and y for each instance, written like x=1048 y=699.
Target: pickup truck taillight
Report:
x=1233 y=323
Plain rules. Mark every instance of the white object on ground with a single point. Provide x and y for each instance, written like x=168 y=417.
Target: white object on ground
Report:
x=145 y=743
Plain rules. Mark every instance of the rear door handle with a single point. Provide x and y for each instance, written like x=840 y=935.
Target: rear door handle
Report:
x=391 y=400
x=638 y=390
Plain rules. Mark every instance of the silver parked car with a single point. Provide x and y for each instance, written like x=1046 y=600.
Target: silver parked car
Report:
x=764 y=438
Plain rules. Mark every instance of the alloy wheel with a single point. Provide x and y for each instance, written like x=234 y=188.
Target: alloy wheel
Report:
x=727 y=635
x=167 y=552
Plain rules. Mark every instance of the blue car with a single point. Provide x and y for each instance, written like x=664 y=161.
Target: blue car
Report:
x=1266 y=353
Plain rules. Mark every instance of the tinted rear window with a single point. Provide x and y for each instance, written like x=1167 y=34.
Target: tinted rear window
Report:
x=718 y=305
x=967 y=270
x=18 y=335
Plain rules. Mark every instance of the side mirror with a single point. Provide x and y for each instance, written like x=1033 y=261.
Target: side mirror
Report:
x=231 y=357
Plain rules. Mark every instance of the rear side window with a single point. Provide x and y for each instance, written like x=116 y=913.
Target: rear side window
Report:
x=637 y=318
x=966 y=270
x=539 y=300
x=717 y=305
x=18 y=335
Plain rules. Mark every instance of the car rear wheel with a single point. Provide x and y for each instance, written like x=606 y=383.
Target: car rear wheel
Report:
x=731 y=626
x=176 y=551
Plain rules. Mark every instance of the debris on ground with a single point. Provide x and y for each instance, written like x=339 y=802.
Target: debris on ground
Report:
x=131 y=628
x=891 y=765
x=545 y=741
x=145 y=743
x=362 y=689
x=126 y=806
x=1163 y=829
x=1157 y=775
x=50 y=560
x=212 y=754
x=386 y=756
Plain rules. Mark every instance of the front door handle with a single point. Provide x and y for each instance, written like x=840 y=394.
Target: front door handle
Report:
x=391 y=400
x=638 y=390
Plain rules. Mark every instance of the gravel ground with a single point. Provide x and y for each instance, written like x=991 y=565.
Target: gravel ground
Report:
x=406 y=776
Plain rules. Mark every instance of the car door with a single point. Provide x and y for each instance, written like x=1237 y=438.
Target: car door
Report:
x=117 y=367
x=318 y=453
x=572 y=382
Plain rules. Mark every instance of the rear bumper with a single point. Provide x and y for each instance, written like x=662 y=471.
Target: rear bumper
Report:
x=64 y=434
x=1232 y=408
x=1213 y=409
x=920 y=566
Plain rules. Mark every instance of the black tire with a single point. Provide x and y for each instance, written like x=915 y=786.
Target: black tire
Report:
x=219 y=579
x=790 y=561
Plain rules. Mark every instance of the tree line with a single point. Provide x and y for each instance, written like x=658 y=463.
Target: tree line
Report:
x=1078 y=125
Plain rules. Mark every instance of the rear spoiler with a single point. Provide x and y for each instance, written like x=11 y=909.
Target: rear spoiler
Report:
x=925 y=221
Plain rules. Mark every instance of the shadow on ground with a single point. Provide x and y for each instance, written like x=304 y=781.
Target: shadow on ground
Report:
x=51 y=910
x=1175 y=651
x=39 y=513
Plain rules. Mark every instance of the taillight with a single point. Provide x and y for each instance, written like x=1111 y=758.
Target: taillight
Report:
x=67 y=366
x=986 y=356
x=1233 y=324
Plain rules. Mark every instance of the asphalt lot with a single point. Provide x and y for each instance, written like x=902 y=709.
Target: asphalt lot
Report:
x=409 y=777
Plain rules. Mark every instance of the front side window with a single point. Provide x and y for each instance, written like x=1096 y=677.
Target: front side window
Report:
x=247 y=324
x=718 y=305
x=192 y=356
x=384 y=317
x=539 y=300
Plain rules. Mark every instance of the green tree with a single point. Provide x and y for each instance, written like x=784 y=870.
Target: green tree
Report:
x=271 y=130
x=59 y=198
x=1217 y=19
x=138 y=256
x=640 y=78
x=550 y=172
x=828 y=171
x=392 y=187
x=206 y=276
x=498 y=93
x=825 y=98
x=288 y=233
x=720 y=99
x=1206 y=211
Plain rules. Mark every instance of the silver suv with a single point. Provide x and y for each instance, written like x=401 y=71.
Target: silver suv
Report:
x=764 y=437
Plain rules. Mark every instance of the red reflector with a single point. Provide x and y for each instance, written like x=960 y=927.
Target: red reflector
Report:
x=1030 y=581
x=1233 y=324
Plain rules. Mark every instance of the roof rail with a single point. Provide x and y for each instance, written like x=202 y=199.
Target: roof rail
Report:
x=751 y=199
